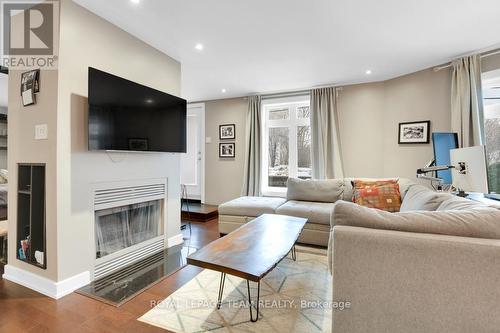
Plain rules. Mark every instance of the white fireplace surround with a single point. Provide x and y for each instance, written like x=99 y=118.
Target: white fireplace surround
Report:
x=119 y=194
x=64 y=287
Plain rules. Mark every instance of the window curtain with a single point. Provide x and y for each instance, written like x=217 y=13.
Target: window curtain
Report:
x=467 y=118
x=326 y=149
x=251 y=180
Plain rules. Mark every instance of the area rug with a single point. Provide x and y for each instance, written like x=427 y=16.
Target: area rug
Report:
x=294 y=298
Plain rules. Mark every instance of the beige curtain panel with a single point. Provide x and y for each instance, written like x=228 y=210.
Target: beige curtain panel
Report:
x=251 y=180
x=326 y=147
x=467 y=117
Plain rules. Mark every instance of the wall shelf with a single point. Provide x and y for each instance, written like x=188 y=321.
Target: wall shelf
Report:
x=31 y=213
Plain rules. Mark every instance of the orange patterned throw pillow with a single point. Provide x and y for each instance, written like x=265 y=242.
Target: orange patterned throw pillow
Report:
x=382 y=194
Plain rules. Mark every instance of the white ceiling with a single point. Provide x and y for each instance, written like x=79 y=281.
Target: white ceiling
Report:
x=3 y=90
x=273 y=45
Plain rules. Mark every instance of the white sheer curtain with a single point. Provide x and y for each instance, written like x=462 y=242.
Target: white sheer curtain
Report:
x=251 y=180
x=119 y=228
x=467 y=117
x=326 y=149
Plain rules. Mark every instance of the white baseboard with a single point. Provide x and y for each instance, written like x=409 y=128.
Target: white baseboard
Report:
x=43 y=285
x=175 y=240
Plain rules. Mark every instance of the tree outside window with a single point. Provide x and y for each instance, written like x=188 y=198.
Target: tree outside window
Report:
x=286 y=143
x=491 y=95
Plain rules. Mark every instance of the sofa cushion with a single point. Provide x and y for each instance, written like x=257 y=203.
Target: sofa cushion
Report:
x=457 y=203
x=329 y=190
x=251 y=206
x=420 y=197
x=315 y=212
x=478 y=223
x=381 y=194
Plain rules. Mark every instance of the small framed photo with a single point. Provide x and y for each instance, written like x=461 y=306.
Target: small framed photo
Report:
x=227 y=150
x=30 y=86
x=414 y=132
x=138 y=144
x=227 y=132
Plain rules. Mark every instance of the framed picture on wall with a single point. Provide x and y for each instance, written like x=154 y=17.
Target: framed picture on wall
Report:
x=227 y=150
x=414 y=132
x=227 y=132
x=30 y=86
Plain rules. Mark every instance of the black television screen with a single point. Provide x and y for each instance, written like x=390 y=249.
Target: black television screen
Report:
x=124 y=115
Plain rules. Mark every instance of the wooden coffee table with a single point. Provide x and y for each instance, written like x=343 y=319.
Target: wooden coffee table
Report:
x=251 y=251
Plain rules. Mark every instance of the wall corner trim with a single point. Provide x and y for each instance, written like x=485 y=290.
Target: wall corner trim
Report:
x=45 y=286
x=175 y=240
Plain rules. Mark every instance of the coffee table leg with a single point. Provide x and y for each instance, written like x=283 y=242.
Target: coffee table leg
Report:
x=252 y=319
x=221 y=289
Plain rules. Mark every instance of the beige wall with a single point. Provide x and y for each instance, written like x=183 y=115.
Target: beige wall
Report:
x=224 y=177
x=370 y=114
x=87 y=40
x=424 y=95
x=23 y=148
x=361 y=113
x=366 y=108
x=491 y=63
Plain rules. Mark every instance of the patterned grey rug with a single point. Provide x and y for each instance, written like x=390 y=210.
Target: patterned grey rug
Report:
x=292 y=300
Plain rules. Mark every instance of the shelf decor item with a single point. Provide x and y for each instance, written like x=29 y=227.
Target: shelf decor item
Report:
x=227 y=132
x=227 y=150
x=414 y=132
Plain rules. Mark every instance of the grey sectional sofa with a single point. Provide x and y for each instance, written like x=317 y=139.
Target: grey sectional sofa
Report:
x=435 y=267
x=311 y=199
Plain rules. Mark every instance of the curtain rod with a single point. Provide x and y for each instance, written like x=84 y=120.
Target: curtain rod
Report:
x=286 y=94
x=484 y=55
x=293 y=92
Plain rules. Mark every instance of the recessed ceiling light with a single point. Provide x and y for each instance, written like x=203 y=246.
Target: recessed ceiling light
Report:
x=135 y=2
x=199 y=46
x=223 y=90
x=368 y=72
x=149 y=101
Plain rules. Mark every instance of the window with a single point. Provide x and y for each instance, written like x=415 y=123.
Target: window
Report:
x=286 y=150
x=491 y=95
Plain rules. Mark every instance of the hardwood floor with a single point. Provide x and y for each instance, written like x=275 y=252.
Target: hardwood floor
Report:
x=23 y=310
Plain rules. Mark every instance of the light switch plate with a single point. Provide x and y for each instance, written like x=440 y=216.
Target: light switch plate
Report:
x=41 y=132
x=208 y=139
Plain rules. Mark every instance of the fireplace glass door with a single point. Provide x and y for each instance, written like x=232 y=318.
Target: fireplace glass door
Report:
x=122 y=227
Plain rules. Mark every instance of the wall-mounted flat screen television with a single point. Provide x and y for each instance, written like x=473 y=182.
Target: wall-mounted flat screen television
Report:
x=127 y=116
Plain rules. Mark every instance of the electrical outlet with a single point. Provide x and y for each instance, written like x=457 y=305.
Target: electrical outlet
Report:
x=41 y=132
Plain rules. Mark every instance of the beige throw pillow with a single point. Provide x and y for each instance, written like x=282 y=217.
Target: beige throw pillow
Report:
x=329 y=190
x=457 y=203
x=420 y=197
